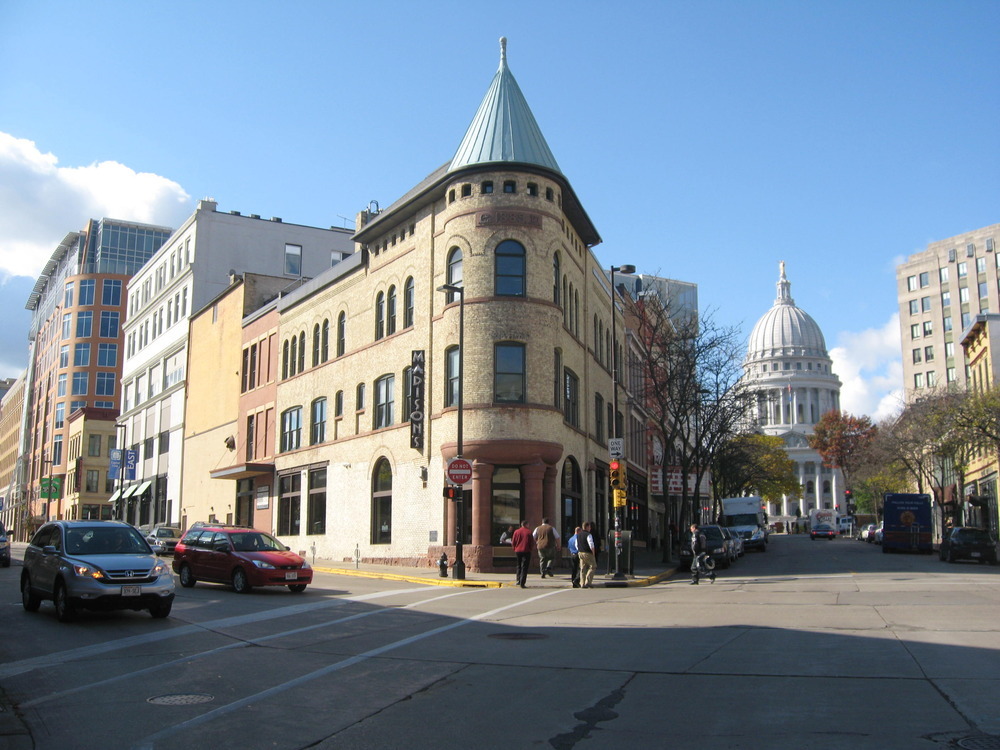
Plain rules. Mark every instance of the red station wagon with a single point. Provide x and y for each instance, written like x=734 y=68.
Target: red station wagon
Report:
x=240 y=556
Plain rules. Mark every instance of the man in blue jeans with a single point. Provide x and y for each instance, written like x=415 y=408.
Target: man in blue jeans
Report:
x=523 y=543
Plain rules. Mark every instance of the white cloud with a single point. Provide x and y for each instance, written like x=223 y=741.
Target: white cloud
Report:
x=870 y=367
x=40 y=202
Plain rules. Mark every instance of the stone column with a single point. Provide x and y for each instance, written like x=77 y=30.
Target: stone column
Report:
x=482 y=499
x=533 y=476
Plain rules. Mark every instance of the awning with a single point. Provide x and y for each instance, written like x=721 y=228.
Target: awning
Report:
x=129 y=490
x=243 y=471
x=142 y=488
x=114 y=496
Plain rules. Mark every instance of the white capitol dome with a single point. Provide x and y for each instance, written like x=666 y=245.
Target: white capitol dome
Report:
x=785 y=330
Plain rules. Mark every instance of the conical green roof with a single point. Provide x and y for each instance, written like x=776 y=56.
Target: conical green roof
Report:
x=504 y=130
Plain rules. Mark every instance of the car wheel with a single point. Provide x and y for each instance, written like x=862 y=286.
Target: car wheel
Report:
x=297 y=588
x=187 y=577
x=6 y=562
x=241 y=585
x=29 y=599
x=159 y=611
x=951 y=556
x=64 y=610
x=941 y=555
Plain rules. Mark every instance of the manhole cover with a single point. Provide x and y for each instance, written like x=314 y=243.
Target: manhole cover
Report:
x=518 y=636
x=984 y=742
x=181 y=699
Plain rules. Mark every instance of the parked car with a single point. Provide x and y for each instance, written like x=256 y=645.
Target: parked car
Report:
x=969 y=543
x=866 y=532
x=240 y=556
x=876 y=536
x=735 y=543
x=100 y=565
x=717 y=546
x=822 y=531
x=165 y=536
x=4 y=547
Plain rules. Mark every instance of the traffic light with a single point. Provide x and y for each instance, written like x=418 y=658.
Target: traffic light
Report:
x=451 y=492
x=617 y=480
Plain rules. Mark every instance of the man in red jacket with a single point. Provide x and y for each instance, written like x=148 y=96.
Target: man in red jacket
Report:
x=523 y=543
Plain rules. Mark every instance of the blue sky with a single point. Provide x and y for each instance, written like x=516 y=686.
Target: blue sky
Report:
x=707 y=140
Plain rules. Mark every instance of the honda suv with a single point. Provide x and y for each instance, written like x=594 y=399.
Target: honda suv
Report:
x=240 y=556
x=101 y=565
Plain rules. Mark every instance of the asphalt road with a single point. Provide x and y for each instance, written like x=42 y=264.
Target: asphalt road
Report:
x=812 y=644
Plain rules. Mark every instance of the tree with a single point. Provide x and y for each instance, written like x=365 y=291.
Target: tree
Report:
x=688 y=382
x=840 y=439
x=754 y=464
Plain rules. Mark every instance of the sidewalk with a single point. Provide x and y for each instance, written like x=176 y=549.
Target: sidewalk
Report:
x=648 y=568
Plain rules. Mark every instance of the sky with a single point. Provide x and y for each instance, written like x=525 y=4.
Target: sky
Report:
x=708 y=140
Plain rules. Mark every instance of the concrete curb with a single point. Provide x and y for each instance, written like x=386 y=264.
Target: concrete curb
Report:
x=431 y=581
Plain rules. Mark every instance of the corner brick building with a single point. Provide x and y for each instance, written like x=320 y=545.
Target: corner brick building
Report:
x=368 y=388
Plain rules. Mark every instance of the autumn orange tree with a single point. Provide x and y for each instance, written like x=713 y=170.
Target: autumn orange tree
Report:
x=841 y=440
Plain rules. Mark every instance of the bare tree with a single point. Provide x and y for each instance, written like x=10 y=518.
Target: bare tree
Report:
x=691 y=389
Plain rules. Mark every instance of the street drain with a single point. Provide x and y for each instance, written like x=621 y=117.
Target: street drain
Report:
x=982 y=742
x=518 y=636
x=181 y=699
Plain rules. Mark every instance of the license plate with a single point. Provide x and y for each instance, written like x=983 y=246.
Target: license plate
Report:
x=131 y=590
x=291 y=575
x=974 y=554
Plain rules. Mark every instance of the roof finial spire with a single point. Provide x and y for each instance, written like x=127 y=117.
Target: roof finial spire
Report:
x=503 y=50
x=784 y=288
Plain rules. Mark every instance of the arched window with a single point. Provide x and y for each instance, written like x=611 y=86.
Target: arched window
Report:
x=385 y=387
x=390 y=312
x=454 y=272
x=810 y=487
x=571 y=500
x=338 y=404
x=556 y=274
x=315 y=355
x=284 y=360
x=324 y=348
x=379 y=316
x=576 y=313
x=451 y=383
x=294 y=356
x=341 y=334
x=597 y=339
x=302 y=352
x=382 y=503
x=508 y=373
x=408 y=302
x=510 y=269
x=317 y=430
x=563 y=299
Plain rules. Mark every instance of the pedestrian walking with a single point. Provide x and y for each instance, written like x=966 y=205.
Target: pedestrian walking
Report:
x=585 y=550
x=522 y=543
x=547 y=542
x=574 y=558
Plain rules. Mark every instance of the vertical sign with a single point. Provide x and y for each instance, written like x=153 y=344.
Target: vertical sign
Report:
x=417 y=371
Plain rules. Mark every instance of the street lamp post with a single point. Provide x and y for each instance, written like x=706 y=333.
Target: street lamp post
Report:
x=619 y=574
x=458 y=570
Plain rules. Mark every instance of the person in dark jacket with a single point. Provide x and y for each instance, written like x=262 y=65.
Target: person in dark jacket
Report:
x=699 y=545
x=586 y=549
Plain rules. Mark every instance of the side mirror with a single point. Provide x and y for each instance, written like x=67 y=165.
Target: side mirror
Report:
x=48 y=549
x=157 y=548
x=287 y=548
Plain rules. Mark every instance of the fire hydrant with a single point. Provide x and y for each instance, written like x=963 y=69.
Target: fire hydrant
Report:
x=443 y=565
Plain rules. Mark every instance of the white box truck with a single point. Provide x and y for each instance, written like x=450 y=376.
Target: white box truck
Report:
x=745 y=516
x=823 y=515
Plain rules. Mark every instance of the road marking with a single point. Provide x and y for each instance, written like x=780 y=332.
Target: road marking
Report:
x=148 y=742
x=84 y=652
x=227 y=647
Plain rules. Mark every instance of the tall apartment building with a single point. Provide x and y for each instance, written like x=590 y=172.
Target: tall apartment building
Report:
x=75 y=351
x=190 y=270
x=940 y=291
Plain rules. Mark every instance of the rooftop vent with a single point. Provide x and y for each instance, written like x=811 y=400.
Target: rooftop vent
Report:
x=254 y=216
x=276 y=219
x=235 y=213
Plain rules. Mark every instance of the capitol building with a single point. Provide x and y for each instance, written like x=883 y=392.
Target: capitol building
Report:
x=789 y=369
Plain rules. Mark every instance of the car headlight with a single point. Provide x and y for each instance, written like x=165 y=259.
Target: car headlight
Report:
x=718 y=550
x=87 y=571
x=160 y=569
x=263 y=565
x=305 y=565
x=757 y=534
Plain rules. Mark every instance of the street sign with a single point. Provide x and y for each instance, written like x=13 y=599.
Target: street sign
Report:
x=459 y=470
x=616 y=447
x=50 y=487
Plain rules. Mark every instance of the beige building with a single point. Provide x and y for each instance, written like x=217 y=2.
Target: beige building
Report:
x=382 y=376
x=214 y=436
x=940 y=290
x=92 y=437
x=981 y=344
x=11 y=417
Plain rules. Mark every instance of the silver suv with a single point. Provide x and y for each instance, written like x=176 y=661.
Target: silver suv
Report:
x=101 y=565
